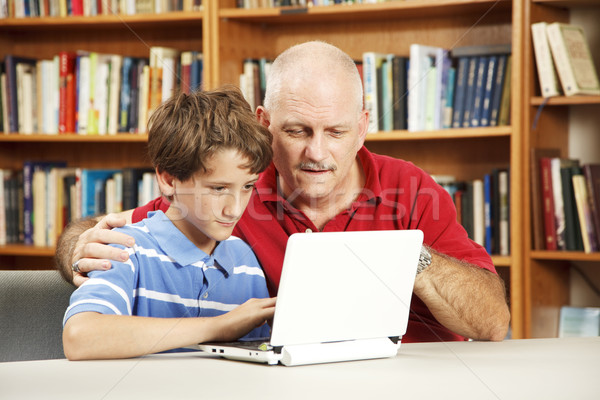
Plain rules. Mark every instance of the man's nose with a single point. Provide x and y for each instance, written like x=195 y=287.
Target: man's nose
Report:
x=316 y=147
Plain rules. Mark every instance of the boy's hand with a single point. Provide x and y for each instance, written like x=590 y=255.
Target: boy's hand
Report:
x=91 y=251
x=245 y=317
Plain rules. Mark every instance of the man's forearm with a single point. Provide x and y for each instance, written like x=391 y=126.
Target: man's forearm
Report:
x=466 y=299
x=66 y=245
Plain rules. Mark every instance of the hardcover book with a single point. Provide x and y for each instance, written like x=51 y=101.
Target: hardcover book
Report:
x=573 y=59
x=543 y=59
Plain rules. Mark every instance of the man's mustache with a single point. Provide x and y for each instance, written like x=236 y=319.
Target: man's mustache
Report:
x=317 y=166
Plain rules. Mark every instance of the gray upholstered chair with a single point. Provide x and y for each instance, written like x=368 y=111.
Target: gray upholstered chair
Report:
x=32 y=305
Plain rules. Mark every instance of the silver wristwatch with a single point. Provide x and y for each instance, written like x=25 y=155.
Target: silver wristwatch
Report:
x=424 y=259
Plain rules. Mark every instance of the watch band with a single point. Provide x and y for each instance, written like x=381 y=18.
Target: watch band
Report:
x=424 y=259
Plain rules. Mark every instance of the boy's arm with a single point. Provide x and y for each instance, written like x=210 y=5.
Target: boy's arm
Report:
x=90 y=335
x=85 y=240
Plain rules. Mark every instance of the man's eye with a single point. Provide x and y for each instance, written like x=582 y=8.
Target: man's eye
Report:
x=294 y=131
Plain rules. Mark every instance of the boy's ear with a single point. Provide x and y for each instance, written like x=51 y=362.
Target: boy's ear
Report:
x=166 y=183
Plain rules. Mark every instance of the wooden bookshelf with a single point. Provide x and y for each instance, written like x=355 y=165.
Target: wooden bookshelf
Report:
x=547 y=274
x=227 y=35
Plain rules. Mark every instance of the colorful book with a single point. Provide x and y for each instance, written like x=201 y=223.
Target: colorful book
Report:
x=67 y=92
x=372 y=62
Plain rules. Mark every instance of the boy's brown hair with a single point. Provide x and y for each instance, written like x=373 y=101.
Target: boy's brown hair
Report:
x=186 y=130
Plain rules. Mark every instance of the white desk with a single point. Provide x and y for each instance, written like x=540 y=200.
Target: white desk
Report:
x=517 y=369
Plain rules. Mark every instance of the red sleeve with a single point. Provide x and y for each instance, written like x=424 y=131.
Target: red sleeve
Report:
x=141 y=212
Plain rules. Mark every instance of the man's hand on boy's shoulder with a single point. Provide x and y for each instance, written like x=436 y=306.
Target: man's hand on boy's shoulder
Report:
x=91 y=251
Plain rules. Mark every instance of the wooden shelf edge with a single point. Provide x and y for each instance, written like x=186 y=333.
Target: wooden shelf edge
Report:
x=565 y=255
x=115 y=19
x=501 y=261
x=400 y=9
x=133 y=138
x=565 y=101
x=26 y=250
x=463 y=133
x=568 y=3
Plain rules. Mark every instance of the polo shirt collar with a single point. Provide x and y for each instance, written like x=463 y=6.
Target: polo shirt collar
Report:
x=266 y=186
x=179 y=248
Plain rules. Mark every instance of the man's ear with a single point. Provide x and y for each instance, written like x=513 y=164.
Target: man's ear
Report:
x=363 y=126
x=263 y=116
x=166 y=183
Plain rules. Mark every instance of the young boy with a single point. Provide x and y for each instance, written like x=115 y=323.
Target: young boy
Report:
x=187 y=281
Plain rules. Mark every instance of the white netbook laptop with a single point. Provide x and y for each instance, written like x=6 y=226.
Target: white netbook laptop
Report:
x=342 y=296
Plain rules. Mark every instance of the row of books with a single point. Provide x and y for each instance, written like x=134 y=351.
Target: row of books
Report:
x=483 y=208
x=434 y=88
x=562 y=54
x=566 y=203
x=66 y=8
x=92 y=93
x=431 y=89
x=38 y=201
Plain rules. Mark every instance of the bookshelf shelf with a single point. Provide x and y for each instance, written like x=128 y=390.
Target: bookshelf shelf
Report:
x=565 y=256
x=565 y=101
x=101 y=21
x=568 y=3
x=444 y=134
x=24 y=250
x=386 y=10
x=73 y=138
x=502 y=261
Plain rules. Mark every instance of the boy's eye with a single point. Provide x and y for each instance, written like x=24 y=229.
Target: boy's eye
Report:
x=218 y=188
x=249 y=186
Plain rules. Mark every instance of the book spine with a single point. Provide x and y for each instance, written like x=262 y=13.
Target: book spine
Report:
x=559 y=207
x=370 y=90
x=497 y=90
x=489 y=88
x=462 y=74
x=543 y=60
x=548 y=204
x=572 y=228
x=470 y=92
x=28 y=202
x=125 y=95
x=587 y=228
x=480 y=81
x=400 y=95
x=504 y=114
x=592 y=179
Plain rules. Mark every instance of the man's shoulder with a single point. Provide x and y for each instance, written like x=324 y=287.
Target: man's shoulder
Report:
x=390 y=167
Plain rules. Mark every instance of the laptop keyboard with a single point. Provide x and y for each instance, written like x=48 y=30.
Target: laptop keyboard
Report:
x=257 y=345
